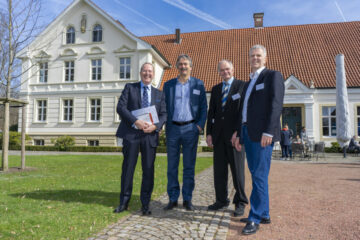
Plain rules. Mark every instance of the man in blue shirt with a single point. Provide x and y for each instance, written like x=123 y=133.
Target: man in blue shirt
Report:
x=186 y=107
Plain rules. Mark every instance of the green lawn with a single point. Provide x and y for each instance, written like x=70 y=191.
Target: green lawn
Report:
x=69 y=197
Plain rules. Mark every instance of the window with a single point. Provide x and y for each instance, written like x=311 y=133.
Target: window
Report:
x=70 y=35
x=96 y=69
x=358 y=120
x=68 y=105
x=39 y=142
x=69 y=71
x=41 y=110
x=125 y=67
x=97 y=33
x=93 y=143
x=329 y=121
x=43 y=72
x=95 y=108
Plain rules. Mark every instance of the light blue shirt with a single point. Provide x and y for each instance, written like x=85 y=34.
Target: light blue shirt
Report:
x=182 y=110
x=142 y=91
x=230 y=81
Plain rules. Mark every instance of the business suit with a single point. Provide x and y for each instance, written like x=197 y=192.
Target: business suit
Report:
x=264 y=107
x=221 y=124
x=186 y=136
x=133 y=139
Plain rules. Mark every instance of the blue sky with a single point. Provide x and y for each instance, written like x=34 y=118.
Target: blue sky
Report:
x=156 y=17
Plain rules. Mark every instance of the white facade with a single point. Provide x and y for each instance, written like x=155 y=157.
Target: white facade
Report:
x=64 y=103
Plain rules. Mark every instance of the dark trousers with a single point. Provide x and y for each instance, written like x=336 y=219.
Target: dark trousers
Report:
x=131 y=152
x=259 y=161
x=285 y=151
x=187 y=137
x=224 y=155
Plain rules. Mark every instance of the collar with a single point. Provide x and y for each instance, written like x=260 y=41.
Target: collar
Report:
x=229 y=81
x=142 y=85
x=257 y=73
x=178 y=82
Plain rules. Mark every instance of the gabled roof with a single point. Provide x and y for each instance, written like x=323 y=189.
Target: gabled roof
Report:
x=305 y=51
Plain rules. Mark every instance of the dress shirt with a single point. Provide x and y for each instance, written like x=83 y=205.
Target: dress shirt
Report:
x=142 y=91
x=230 y=81
x=253 y=76
x=182 y=110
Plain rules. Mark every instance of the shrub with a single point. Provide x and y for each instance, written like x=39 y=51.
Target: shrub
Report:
x=14 y=139
x=64 y=142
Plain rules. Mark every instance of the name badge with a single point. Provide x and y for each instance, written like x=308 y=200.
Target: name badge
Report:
x=260 y=86
x=235 y=96
x=196 y=92
x=213 y=120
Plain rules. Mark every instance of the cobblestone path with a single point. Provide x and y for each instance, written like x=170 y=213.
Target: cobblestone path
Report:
x=177 y=223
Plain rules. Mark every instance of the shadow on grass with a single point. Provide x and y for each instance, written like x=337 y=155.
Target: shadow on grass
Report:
x=109 y=199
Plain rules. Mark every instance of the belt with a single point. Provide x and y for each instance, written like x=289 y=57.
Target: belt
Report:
x=182 y=123
x=244 y=123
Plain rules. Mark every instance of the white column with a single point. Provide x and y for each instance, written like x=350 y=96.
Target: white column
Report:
x=309 y=120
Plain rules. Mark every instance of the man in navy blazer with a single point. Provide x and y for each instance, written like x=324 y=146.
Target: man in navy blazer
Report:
x=259 y=127
x=186 y=115
x=138 y=134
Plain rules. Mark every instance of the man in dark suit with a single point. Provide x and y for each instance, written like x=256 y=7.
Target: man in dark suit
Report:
x=259 y=127
x=186 y=115
x=137 y=133
x=221 y=124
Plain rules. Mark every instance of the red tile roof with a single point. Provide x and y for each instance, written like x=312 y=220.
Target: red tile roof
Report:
x=305 y=51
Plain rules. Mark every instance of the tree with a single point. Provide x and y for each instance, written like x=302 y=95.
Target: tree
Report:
x=18 y=26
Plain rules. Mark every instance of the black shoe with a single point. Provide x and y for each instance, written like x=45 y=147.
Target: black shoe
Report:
x=239 y=210
x=250 y=228
x=217 y=205
x=145 y=210
x=121 y=208
x=188 y=205
x=171 y=205
x=263 y=220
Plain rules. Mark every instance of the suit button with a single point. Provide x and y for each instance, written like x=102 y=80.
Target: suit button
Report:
x=222 y=118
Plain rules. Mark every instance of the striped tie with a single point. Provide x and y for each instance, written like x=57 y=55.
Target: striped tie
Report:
x=145 y=97
x=224 y=95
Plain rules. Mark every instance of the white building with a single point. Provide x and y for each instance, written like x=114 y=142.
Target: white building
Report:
x=83 y=59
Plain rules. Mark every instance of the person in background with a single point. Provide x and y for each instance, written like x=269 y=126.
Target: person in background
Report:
x=285 y=143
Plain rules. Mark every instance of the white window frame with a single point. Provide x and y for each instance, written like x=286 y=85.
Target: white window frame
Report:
x=93 y=140
x=40 y=140
x=98 y=36
x=36 y=106
x=73 y=35
x=89 y=108
x=96 y=67
x=329 y=117
x=117 y=118
x=69 y=68
x=126 y=65
x=62 y=110
x=357 y=121
x=43 y=72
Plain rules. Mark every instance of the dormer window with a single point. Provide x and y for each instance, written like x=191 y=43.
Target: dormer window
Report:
x=97 y=33
x=70 y=35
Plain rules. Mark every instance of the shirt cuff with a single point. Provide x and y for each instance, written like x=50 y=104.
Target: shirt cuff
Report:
x=268 y=135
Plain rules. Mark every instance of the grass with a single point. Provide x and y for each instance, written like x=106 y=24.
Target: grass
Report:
x=69 y=197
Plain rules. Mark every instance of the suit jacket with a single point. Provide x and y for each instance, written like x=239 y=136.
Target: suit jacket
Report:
x=264 y=106
x=220 y=121
x=130 y=100
x=198 y=104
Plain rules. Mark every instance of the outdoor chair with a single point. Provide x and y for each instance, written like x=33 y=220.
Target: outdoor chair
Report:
x=298 y=149
x=319 y=149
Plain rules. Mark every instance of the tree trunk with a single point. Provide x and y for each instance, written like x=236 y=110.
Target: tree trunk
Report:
x=5 y=143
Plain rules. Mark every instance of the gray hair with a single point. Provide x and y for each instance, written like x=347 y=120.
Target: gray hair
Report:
x=185 y=57
x=147 y=63
x=225 y=61
x=258 y=46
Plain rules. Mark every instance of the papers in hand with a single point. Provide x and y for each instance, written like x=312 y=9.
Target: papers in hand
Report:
x=147 y=114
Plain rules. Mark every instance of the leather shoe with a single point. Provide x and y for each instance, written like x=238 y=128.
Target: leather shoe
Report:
x=188 y=205
x=121 y=208
x=239 y=210
x=217 y=205
x=145 y=210
x=171 y=205
x=263 y=220
x=250 y=228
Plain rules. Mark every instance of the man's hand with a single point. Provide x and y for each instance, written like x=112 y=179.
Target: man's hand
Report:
x=209 y=141
x=200 y=129
x=237 y=144
x=265 y=141
x=140 y=124
x=149 y=129
x=233 y=138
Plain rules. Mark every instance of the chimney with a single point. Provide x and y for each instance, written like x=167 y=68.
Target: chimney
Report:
x=177 y=36
x=258 y=20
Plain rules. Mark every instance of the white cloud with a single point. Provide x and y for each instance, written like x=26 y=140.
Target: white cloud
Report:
x=143 y=16
x=198 y=13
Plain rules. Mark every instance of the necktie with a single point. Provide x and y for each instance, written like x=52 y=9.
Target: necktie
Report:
x=145 y=97
x=224 y=95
